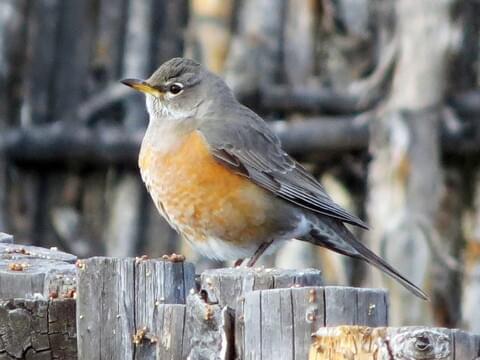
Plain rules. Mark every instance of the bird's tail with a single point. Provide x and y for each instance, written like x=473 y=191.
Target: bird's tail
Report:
x=333 y=235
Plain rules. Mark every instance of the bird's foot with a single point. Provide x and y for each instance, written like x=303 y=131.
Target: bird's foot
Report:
x=261 y=249
x=238 y=263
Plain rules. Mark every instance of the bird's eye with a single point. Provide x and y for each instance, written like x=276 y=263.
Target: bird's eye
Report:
x=175 y=88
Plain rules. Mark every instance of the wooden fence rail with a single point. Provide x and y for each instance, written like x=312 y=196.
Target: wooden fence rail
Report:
x=141 y=308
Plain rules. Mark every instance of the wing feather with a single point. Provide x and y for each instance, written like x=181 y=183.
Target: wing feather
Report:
x=245 y=144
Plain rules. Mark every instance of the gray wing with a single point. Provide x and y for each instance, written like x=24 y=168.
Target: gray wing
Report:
x=243 y=142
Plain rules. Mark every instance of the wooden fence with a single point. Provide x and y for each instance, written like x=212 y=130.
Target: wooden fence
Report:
x=54 y=306
x=380 y=99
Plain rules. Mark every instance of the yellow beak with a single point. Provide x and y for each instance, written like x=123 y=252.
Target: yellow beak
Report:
x=142 y=86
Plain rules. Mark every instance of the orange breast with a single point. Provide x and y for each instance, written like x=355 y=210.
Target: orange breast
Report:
x=202 y=198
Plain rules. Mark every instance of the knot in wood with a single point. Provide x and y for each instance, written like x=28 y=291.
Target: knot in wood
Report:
x=421 y=344
x=174 y=258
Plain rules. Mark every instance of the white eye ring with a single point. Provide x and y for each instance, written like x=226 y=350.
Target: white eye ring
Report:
x=175 y=88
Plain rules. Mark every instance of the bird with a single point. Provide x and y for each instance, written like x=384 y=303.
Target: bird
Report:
x=220 y=177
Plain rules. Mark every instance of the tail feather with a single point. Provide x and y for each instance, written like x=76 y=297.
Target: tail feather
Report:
x=337 y=237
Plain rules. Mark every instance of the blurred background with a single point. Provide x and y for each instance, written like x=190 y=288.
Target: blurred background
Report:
x=379 y=99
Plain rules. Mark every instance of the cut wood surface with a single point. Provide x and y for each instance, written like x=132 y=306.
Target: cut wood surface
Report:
x=412 y=343
x=31 y=271
x=279 y=323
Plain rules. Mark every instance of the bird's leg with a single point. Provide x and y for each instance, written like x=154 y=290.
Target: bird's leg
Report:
x=261 y=249
x=238 y=263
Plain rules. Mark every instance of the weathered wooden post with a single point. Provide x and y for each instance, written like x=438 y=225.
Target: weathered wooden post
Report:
x=390 y=343
x=279 y=323
x=131 y=308
x=229 y=287
x=37 y=306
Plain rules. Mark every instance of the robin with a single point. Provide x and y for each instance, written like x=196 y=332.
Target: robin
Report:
x=220 y=177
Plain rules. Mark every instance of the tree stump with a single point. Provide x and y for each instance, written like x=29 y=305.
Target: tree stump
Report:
x=122 y=310
x=390 y=343
x=279 y=323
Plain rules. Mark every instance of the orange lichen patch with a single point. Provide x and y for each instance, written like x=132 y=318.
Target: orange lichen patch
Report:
x=202 y=198
x=17 y=266
x=174 y=258
x=141 y=258
x=347 y=343
x=80 y=264
x=70 y=294
x=22 y=251
x=139 y=335
x=208 y=313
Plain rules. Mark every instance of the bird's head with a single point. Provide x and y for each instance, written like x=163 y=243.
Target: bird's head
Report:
x=180 y=88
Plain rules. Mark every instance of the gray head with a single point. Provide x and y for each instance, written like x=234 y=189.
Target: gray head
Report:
x=180 y=88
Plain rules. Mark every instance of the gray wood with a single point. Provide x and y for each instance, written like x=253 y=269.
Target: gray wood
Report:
x=355 y=306
x=74 y=45
x=128 y=298
x=308 y=316
x=421 y=343
x=107 y=145
x=228 y=287
x=279 y=322
x=467 y=345
x=37 y=329
x=6 y=238
x=19 y=252
x=171 y=335
x=372 y=307
x=253 y=64
x=169 y=22
x=126 y=217
x=277 y=337
x=13 y=24
x=40 y=67
x=208 y=331
x=340 y=305
x=105 y=309
x=227 y=284
x=252 y=327
x=31 y=271
x=420 y=81
x=157 y=283
x=111 y=27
